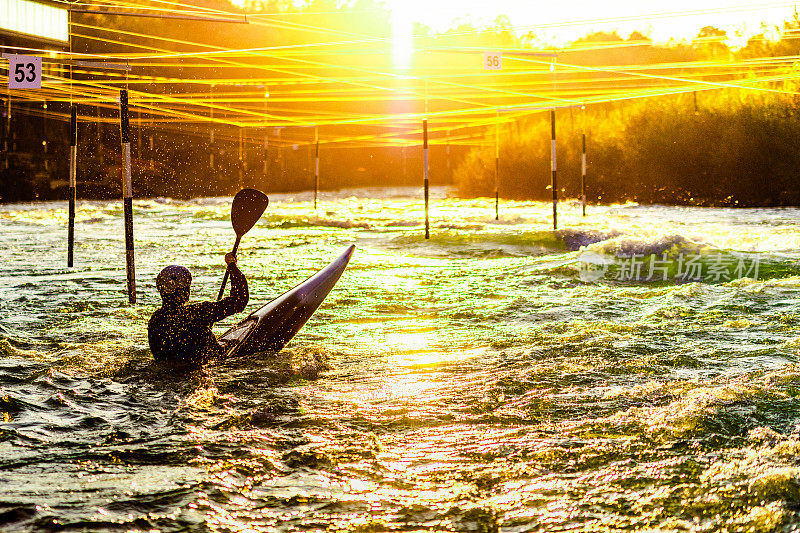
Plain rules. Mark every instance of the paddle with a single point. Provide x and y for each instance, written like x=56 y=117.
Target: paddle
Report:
x=248 y=206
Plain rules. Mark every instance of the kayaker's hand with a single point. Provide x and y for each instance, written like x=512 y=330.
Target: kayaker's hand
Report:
x=230 y=258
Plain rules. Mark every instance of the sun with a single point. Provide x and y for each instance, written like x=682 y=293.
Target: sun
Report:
x=402 y=34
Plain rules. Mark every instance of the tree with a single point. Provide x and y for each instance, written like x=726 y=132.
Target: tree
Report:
x=710 y=43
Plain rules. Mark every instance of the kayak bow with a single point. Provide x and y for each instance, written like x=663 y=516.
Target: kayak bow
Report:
x=273 y=325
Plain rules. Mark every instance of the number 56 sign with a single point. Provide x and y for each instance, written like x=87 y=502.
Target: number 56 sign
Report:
x=24 y=72
x=492 y=61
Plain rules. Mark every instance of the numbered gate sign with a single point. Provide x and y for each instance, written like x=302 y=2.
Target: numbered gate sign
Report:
x=24 y=72
x=492 y=61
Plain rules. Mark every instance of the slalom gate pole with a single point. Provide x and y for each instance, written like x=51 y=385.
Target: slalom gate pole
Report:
x=210 y=133
x=266 y=139
x=127 y=188
x=73 y=163
x=139 y=130
x=497 y=169
x=240 y=184
x=553 y=181
x=8 y=145
x=152 y=161
x=583 y=163
x=583 y=175
x=99 y=132
x=425 y=173
x=316 y=166
x=73 y=154
x=447 y=152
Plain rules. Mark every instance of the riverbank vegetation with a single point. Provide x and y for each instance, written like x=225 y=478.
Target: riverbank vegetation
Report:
x=731 y=148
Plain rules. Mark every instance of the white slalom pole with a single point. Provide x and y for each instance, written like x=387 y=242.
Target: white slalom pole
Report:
x=73 y=155
x=240 y=184
x=127 y=193
x=210 y=133
x=73 y=173
x=553 y=180
x=316 y=166
x=497 y=167
x=583 y=164
x=583 y=175
x=425 y=173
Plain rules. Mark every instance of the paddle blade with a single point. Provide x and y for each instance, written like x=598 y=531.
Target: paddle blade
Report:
x=248 y=206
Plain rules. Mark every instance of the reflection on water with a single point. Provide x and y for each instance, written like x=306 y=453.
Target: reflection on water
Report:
x=476 y=381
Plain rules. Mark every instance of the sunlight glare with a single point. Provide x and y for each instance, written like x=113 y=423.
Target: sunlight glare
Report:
x=410 y=341
x=402 y=35
x=423 y=348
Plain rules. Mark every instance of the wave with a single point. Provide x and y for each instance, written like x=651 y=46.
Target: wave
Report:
x=456 y=238
x=629 y=246
x=284 y=222
x=673 y=259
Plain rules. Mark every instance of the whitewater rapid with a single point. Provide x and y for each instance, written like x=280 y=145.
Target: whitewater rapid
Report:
x=636 y=369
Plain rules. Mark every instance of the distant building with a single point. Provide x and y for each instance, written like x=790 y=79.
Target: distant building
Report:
x=38 y=22
x=32 y=132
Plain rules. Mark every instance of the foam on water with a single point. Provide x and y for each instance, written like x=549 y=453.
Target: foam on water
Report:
x=486 y=379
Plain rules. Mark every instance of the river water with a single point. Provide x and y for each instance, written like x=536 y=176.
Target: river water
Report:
x=498 y=377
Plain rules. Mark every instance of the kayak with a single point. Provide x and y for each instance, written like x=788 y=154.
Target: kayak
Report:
x=272 y=326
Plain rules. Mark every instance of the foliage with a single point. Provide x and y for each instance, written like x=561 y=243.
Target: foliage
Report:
x=737 y=150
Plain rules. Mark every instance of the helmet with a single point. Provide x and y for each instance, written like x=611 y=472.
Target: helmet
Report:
x=173 y=278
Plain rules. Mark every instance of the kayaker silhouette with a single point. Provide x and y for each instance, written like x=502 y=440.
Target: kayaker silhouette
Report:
x=180 y=332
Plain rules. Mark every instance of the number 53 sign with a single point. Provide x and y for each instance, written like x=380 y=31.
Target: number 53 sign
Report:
x=24 y=72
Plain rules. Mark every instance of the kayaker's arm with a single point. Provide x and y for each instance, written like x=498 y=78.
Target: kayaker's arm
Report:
x=235 y=303
x=238 y=283
x=240 y=294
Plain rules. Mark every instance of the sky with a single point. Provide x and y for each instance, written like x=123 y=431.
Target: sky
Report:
x=560 y=21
